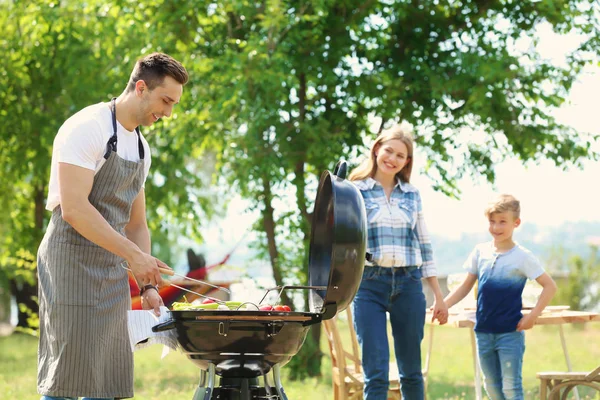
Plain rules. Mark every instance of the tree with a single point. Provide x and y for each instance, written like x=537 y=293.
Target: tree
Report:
x=291 y=87
x=53 y=56
x=47 y=75
x=580 y=290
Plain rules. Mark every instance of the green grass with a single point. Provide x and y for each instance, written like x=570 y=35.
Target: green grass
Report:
x=450 y=376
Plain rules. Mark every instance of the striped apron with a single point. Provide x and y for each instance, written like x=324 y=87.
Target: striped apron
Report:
x=84 y=295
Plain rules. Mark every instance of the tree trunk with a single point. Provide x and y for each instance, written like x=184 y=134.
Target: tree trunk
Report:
x=269 y=227
x=307 y=363
x=5 y=296
x=24 y=294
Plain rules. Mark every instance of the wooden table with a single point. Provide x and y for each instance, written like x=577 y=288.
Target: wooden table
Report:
x=553 y=315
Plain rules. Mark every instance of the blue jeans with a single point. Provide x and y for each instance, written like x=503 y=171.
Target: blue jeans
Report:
x=72 y=398
x=399 y=292
x=501 y=360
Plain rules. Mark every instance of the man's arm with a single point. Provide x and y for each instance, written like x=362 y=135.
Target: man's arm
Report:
x=75 y=184
x=137 y=231
x=137 y=228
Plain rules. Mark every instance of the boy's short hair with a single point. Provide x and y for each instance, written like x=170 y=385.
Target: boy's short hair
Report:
x=503 y=203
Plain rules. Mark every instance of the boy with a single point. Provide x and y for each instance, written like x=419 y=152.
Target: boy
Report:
x=502 y=268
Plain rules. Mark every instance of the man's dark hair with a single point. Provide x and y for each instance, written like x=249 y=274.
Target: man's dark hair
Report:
x=153 y=68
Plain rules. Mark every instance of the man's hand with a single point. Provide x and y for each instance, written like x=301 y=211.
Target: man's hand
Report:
x=152 y=300
x=145 y=269
x=526 y=322
x=440 y=312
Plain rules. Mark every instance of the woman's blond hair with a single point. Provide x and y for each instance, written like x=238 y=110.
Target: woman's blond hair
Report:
x=368 y=167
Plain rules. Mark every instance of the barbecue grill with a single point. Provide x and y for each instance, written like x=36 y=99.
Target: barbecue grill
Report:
x=247 y=349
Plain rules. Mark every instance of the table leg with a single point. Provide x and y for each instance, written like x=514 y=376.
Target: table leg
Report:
x=566 y=353
x=555 y=396
x=478 y=394
x=543 y=390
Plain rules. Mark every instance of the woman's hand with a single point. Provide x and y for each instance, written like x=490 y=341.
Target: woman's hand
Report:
x=440 y=308
x=440 y=311
x=152 y=300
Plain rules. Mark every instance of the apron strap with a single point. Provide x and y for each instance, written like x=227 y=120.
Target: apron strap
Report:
x=111 y=145
x=140 y=144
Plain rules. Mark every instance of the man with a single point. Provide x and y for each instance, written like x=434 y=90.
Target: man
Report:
x=96 y=194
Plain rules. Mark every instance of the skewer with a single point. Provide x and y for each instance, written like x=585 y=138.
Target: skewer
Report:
x=170 y=272
x=218 y=301
x=282 y=288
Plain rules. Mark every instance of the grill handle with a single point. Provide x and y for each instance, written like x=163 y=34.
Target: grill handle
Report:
x=165 y=326
x=340 y=170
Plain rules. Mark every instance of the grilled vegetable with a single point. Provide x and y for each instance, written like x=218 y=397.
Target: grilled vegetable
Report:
x=184 y=306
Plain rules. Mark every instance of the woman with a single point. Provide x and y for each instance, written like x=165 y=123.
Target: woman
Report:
x=400 y=255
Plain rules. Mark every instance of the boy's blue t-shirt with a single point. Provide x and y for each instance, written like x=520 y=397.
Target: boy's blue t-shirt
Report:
x=502 y=277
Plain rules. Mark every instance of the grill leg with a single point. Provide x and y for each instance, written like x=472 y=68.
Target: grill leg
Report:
x=267 y=385
x=206 y=385
x=277 y=379
x=245 y=390
x=203 y=376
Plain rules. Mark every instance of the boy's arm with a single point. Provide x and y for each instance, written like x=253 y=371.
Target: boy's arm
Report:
x=549 y=288
x=460 y=292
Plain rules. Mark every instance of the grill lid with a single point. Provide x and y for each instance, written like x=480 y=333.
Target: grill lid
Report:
x=337 y=243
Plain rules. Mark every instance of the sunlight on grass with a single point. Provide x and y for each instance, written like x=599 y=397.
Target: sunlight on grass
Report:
x=451 y=370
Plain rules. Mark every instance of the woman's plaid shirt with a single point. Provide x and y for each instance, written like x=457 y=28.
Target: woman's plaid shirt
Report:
x=397 y=235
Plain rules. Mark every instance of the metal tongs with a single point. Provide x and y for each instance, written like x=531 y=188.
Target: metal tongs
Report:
x=280 y=290
x=170 y=272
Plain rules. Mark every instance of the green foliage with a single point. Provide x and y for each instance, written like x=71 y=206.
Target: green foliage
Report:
x=301 y=368
x=580 y=290
x=59 y=57
x=33 y=321
x=53 y=56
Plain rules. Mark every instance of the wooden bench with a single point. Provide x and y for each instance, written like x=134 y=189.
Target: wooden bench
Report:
x=551 y=383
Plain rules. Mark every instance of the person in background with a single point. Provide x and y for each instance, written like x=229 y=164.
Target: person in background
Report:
x=501 y=267
x=400 y=255
x=100 y=162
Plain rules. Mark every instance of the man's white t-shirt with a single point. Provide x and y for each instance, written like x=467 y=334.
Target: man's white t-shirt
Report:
x=81 y=141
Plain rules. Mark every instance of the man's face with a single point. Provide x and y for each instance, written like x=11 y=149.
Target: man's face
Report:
x=159 y=102
x=502 y=225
